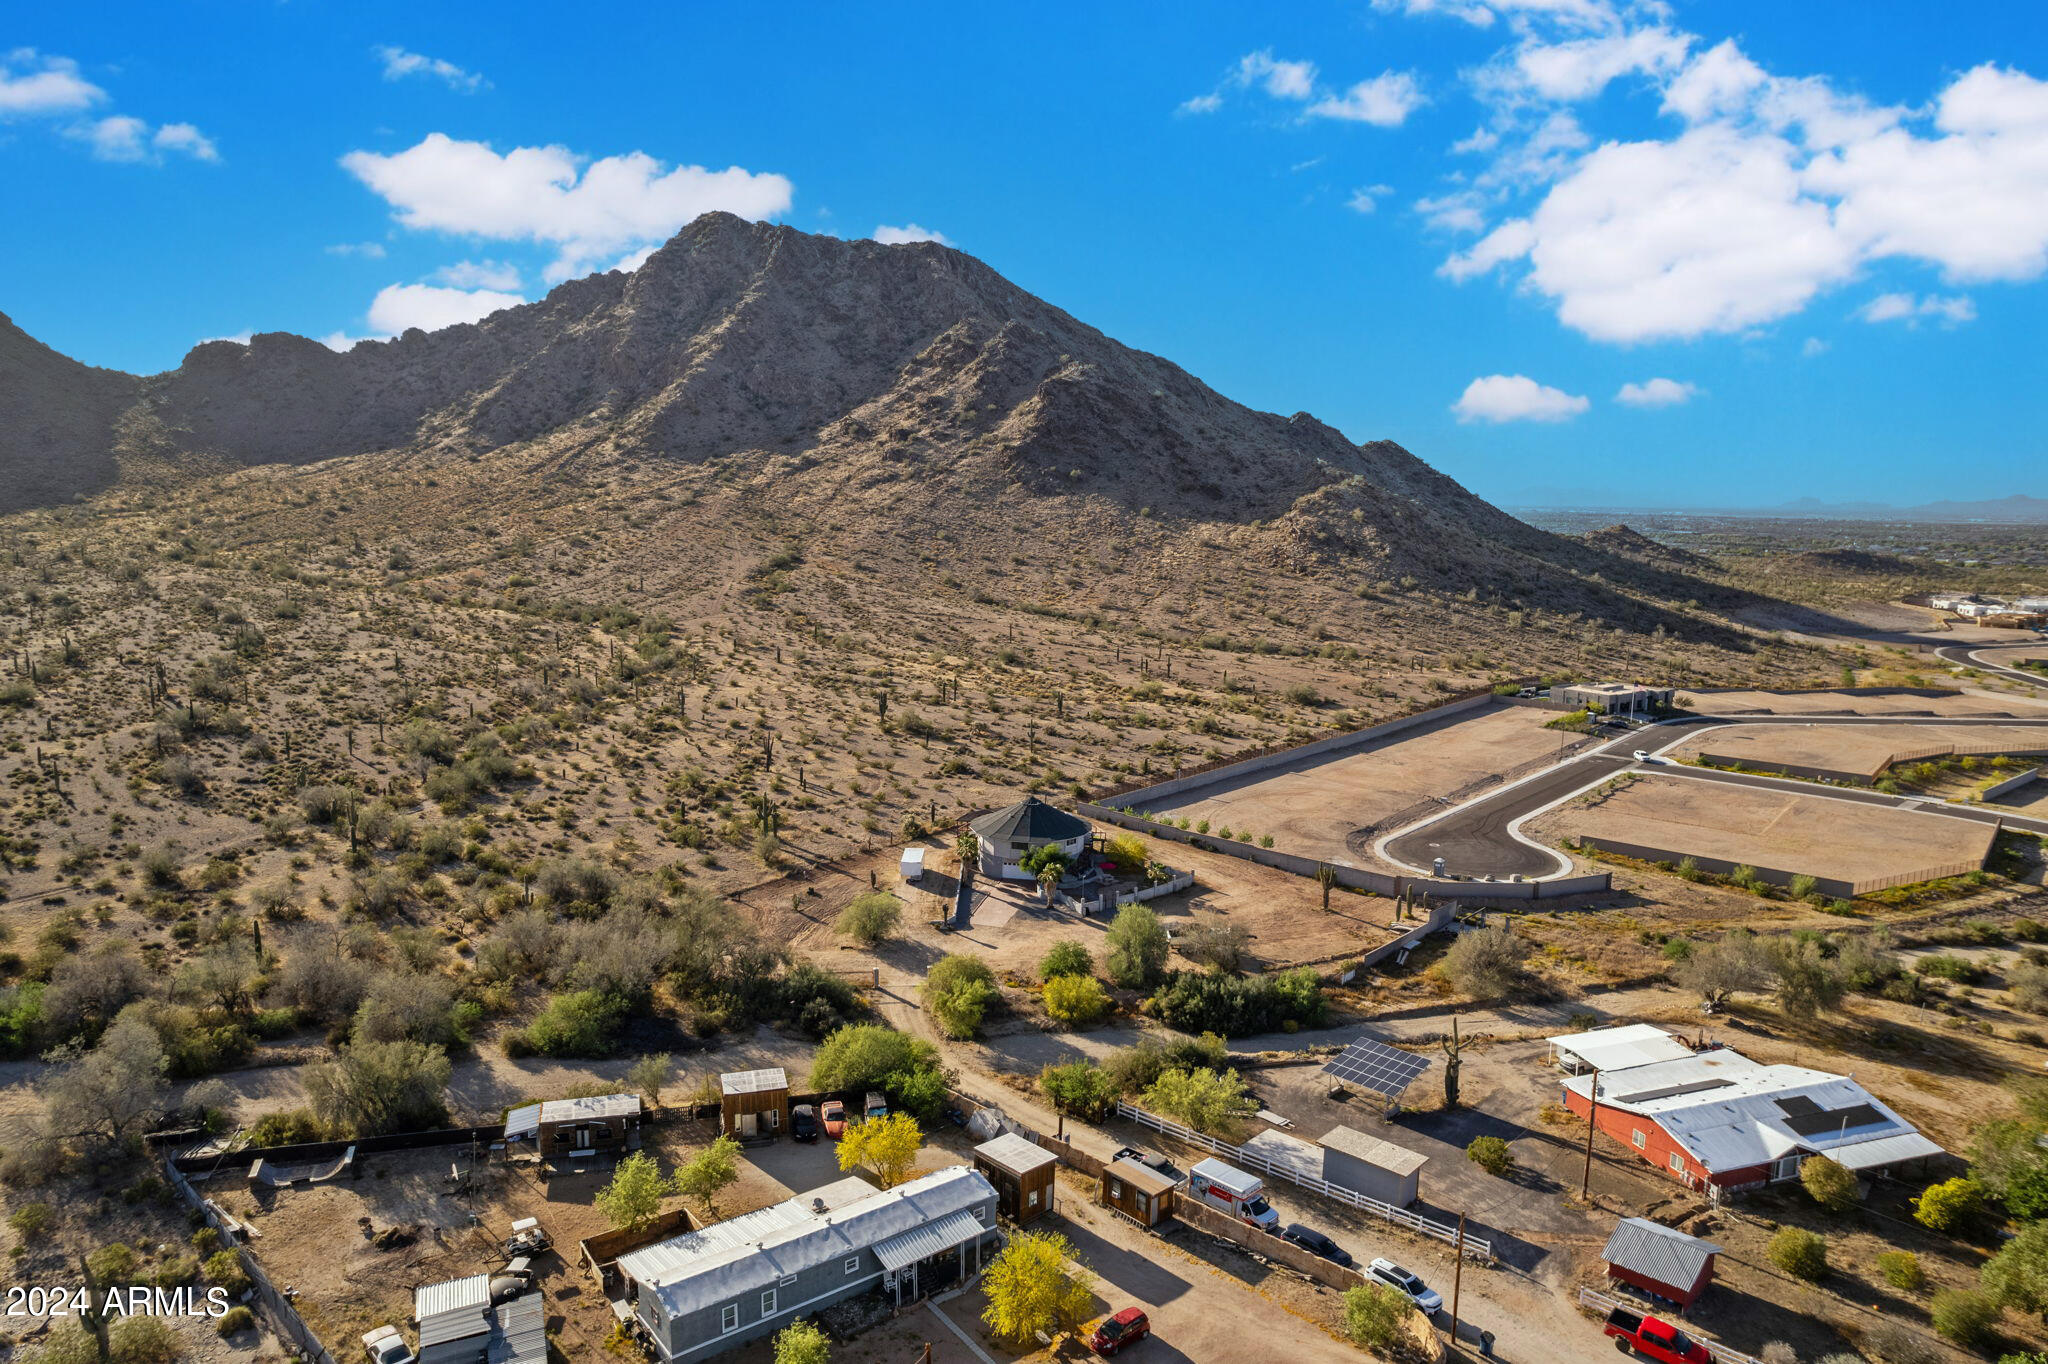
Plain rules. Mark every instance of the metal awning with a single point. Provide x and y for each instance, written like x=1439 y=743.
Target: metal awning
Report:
x=1871 y=1155
x=907 y=1248
x=521 y=1123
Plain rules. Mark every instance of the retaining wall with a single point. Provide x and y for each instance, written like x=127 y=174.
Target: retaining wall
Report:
x=1826 y=885
x=1137 y=797
x=2009 y=785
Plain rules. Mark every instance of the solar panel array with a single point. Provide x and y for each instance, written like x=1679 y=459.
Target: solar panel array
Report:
x=1374 y=1065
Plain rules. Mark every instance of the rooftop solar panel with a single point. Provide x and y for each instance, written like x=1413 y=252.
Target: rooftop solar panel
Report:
x=1372 y=1064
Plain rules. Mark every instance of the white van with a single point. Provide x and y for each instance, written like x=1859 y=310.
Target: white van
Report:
x=1229 y=1189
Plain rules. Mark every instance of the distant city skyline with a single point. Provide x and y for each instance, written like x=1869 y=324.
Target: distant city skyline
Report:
x=1669 y=254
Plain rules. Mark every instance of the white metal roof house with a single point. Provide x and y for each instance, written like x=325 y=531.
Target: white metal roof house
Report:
x=1636 y=1044
x=459 y=1324
x=1721 y=1122
x=747 y=1277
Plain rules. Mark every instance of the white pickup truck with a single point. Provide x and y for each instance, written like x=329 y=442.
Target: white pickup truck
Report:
x=385 y=1346
x=1229 y=1189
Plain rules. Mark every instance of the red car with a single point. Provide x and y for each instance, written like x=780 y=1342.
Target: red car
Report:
x=1125 y=1328
x=833 y=1115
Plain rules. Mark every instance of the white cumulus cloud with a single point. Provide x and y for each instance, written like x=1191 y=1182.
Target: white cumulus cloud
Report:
x=1366 y=198
x=589 y=211
x=479 y=274
x=1385 y=101
x=1279 y=78
x=1951 y=311
x=908 y=233
x=33 y=85
x=1515 y=398
x=1657 y=393
x=431 y=306
x=183 y=137
x=399 y=64
x=122 y=137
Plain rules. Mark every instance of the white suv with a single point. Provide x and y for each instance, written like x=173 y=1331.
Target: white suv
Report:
x=1393 y=1276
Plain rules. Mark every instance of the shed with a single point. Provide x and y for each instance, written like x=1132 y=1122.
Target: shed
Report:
x=1637 y=1044
x=1137 y=1191
x=1284 y=1154
x=1022 y=1172
x=754 y=1104
x=1660 y=1260
x=575 y=1128
x=911 y=866
x=1378 y=1169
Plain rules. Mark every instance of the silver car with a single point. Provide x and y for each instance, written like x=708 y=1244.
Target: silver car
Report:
x=1393 y=1276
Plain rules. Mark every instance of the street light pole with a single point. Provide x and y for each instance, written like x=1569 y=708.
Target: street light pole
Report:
x=1457 y=1277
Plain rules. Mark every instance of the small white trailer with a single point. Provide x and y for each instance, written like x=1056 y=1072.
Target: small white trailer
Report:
x=912 y=865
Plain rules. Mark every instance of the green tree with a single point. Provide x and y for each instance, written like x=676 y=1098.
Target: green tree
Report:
x=1066 y=958
x=887 y=1146
x=958 y=990
x=1809 y=981
x=1949 y=1205
x=370 y=1088
x=1081 y=1089
x=633 y=1198
x=1075 y=1001
x=1206 y=1100
x=1035 y=1285
x=709 y=1171
x=1374 y=1315
x=1831 y=1185
x=1799 y=1252
x=870 y=917
x=649 y=1074
x=1490 y=1154
x=800 y=1342
x=865 y=1056
x=1137 y=948
x=2017 y=1276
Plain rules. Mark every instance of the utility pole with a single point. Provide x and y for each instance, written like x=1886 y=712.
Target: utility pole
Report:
x=1592 y=1116
x=1457 y=1277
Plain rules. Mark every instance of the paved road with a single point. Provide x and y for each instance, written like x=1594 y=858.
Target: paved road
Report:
x=1477 y=838
x=1963 y=656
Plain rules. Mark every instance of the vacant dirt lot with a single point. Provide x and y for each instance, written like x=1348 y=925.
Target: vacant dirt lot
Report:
x=1309 y=807
x=1788 y=831
x=1863 y=749
x=1838 y=703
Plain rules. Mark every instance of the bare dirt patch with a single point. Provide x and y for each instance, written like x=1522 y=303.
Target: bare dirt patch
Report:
x=1311 y=806
x=1863 y=749
x=1782 y=830
x=1902 y=702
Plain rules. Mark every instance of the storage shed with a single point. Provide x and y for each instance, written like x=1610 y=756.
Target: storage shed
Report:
x=1022 y=1172
x=754 y=1104
x=1660 y=1260
x=575 y=1128
x=1378 y=1169
x=1137 y=1191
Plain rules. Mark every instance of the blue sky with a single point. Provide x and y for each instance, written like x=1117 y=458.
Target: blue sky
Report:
x=1671 y=254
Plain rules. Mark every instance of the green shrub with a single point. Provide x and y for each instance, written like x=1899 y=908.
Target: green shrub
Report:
x=1964 y=1317
x=31 y=1220
x=1239 y=1006
x=223 y=1269
x=1066 y=958
x=1949 y=1205
x=579 y=1023
x=1831 y=1185
x=958 y=990
x=1080 y=1088
x=1901 y=1269
x=114 y=1264
x=1800 y=1253
x=1075 y=1000
x=1490 y=1154
x=1374 y=1314
x=235 y=1319
x=870 y=917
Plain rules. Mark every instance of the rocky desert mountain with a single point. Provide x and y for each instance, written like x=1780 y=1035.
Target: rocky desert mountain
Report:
x=901 y=379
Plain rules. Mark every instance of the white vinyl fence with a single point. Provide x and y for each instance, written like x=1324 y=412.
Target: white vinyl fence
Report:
x=1476 y=1247
x=1603 y=1304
